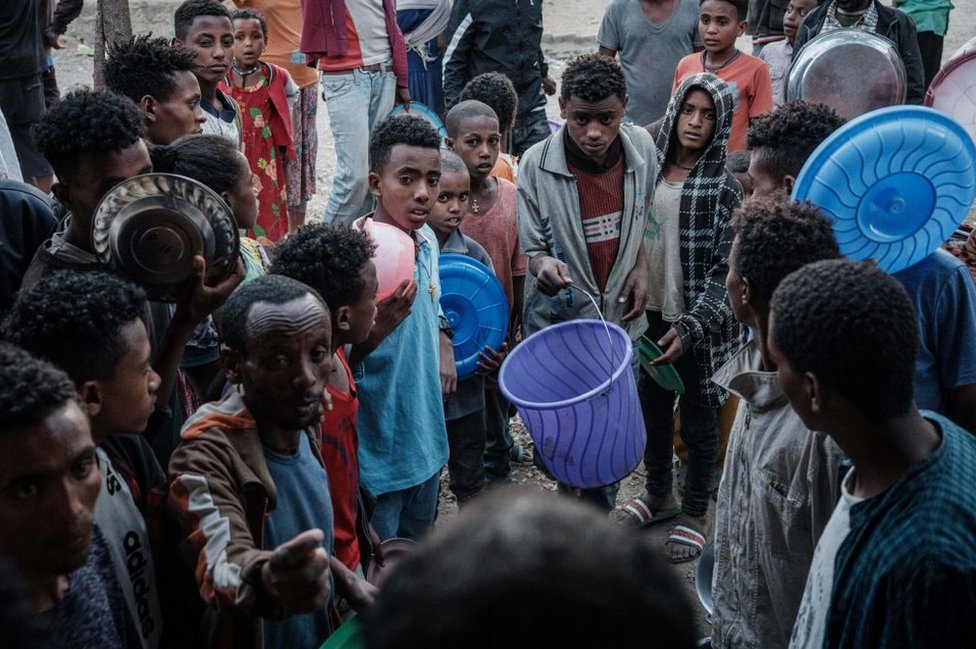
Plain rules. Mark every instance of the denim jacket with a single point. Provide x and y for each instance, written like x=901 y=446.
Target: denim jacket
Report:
x=776 y=496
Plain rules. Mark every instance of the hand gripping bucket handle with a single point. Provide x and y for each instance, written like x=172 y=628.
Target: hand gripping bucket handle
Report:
x=587 y=427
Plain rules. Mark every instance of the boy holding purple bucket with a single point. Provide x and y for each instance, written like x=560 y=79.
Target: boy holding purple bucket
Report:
x=583 y=198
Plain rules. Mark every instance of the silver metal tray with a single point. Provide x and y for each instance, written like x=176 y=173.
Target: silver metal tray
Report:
x=148 y=228
x=852 y=71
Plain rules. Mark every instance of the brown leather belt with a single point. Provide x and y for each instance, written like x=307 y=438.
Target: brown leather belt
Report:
x=376 y=67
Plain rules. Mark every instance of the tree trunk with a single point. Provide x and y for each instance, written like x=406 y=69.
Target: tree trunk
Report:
x=112 y=24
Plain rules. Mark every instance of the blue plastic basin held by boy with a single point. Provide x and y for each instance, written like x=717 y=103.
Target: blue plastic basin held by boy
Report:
x=475 y=305
x=896 y=182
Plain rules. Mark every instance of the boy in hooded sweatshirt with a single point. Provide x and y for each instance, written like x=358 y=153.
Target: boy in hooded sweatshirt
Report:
x=688 y=242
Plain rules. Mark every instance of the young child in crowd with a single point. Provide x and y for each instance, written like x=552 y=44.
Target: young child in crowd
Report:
x=779 y=55
x=90 y=324
x=688 y=315
x=218 y=164
x=158 y=77
x=224 y=169
x=465 y=409
x=902 y=537
x=406 y=366
x=263 y=92
x=336 y=261
x=496 y=91
x=720 y=23
x=780 y=480
x=473 y=134
x=204 y=27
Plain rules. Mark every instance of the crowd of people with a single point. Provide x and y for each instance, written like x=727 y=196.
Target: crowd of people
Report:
x=224 y=467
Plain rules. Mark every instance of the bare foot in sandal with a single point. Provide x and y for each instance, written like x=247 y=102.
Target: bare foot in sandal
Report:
x=644 y=510
x=687 y=538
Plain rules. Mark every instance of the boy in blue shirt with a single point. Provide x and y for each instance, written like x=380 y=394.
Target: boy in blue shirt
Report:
x=406 y=366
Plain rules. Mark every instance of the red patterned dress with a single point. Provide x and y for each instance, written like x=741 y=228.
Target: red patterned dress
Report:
x=265 y=150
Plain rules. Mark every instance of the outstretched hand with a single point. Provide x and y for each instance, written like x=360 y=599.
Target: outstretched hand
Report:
x=297 y=573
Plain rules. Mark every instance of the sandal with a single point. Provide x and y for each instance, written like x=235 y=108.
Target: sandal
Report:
x=684 y=535
x=520 y=455
x=640 y=514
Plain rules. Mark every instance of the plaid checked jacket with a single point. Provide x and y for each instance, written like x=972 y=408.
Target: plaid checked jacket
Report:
x=710 y=195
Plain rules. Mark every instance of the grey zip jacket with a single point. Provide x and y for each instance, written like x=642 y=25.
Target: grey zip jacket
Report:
x=550 y=224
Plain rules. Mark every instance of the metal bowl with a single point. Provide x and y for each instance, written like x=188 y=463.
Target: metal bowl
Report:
x=149 y=227
x=852 y=71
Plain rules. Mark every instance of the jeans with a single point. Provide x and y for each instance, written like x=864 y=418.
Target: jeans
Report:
x=699 y=430
x=528 y=130
x=357 y=101
x=498 y=441
x=408 y=513
x=466 y=438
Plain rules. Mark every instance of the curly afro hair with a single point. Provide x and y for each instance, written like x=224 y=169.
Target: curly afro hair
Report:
x=190 y=10
x=464 y=110
x=274 y=289
x=400 y=129
x=145 y=66
x=781 y=141
x=30 y=388
x=853 y=327
x=252 y=14
x=592 y=78
x=329 y=258
x=496 y=91
x=775 y=237
x=87 y=121
x=74 y=319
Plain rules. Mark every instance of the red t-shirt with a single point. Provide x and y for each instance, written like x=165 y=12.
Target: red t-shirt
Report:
x=749 y=78
x=340 y=445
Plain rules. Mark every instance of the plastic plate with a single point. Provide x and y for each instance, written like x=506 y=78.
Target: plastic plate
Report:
x=664 y=375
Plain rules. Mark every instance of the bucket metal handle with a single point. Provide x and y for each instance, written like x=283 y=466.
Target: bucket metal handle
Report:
x=613 y=355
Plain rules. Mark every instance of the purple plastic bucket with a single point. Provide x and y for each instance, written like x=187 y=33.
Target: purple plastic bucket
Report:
x=577 y=395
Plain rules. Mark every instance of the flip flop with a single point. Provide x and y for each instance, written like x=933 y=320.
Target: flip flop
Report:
x=520 y=455
x=684 y=535
x=640 y=514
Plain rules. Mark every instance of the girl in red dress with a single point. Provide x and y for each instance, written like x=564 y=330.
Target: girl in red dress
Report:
x=263 y=92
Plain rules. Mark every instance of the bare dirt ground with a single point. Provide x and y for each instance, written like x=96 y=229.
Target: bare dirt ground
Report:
x=571 y=27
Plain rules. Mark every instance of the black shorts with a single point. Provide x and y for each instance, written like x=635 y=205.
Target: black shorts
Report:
x=22 y=103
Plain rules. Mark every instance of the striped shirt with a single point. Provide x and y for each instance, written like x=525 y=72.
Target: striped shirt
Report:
x=601 y=208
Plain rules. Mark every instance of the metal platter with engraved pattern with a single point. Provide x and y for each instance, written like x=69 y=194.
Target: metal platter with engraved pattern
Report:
x=148 y=228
